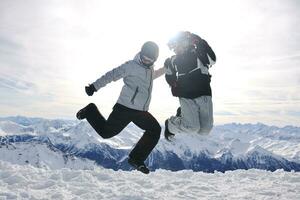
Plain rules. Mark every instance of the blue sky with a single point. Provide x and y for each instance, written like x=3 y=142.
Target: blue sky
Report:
x=49 y=50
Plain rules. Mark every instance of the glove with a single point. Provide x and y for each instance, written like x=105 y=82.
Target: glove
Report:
x=168 y=65
x=90 y=90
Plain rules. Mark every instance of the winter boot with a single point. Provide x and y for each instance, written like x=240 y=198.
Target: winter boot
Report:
x=168 y=134
x=81 y=114
x=138 y=165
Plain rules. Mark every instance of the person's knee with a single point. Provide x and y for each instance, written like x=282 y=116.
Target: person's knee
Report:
x=192 y=129
x=156 y=131
x=205 y=130
x=106 y=136
x=106 y=133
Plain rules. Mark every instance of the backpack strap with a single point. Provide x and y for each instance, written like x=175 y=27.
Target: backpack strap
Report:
x=200 y=66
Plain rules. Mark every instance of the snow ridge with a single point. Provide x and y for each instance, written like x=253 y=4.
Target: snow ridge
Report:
x=228 y=147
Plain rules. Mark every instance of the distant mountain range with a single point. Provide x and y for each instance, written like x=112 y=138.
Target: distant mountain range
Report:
x=74 y=144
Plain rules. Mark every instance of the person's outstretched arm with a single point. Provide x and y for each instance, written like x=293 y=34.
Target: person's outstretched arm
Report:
x=159 y=72
x=113 y=75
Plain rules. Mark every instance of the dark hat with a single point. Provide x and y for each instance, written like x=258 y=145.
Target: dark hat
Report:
x=150 y=49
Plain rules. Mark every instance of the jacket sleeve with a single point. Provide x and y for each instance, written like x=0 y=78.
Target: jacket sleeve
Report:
x=210 y=53
x=113 y=75
x=204 y=51
x=158 y=73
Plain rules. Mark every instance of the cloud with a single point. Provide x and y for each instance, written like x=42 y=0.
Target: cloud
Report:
x=16 y=84
x=52 y=49
x=7 y=45
x=295 y=113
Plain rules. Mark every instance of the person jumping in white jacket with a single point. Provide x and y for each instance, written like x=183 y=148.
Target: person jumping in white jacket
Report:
x=132 y=106
x=187 y=74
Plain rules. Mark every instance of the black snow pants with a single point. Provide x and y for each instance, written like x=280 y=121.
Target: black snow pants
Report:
x=120 y=117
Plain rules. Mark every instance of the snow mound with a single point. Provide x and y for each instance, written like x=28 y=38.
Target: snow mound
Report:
x=27 y=182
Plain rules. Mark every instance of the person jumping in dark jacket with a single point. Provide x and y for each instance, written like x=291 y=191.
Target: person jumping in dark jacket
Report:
x=132 y=106
x=187 y=74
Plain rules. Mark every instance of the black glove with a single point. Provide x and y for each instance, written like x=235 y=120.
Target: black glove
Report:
x=90 y=89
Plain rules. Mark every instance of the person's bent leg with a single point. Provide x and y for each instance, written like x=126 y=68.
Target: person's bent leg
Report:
x=120 y=117
x=188 y=121
x=206 y=114
x=115 y=123
x=150 y=138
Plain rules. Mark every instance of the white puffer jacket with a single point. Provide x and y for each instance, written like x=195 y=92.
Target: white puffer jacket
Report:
x=138 y=82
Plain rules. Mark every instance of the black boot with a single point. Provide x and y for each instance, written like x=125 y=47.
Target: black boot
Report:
x=81 y=114
x=138 y=165
x=168 y=134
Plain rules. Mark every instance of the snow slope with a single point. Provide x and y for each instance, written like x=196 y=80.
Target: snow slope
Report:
x=12 y=128
x=42 y=155
x=27 y=182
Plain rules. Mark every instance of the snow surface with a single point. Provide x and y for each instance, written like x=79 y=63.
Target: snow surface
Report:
x=28 y=182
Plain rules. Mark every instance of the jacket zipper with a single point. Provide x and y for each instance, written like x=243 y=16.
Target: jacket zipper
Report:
x=148 y=88
x=134 y=95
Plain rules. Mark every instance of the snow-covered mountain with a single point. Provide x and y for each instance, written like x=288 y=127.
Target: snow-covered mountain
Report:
x=41 y=154
x=44 y=143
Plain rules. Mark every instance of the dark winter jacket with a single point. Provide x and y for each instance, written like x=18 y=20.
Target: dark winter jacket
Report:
x=187 y=73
